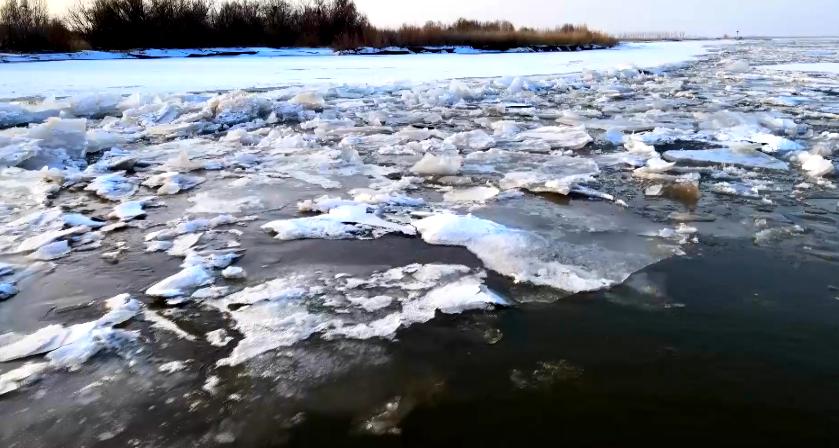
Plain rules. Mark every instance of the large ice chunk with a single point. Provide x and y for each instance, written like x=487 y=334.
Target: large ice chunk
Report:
x=550 y=258
x=565 y=137
x=438 y=165
x=182 y=283
x=341 y=222
x=558 y=174
x=113 y=186
x=70 y=347
x=745 y=157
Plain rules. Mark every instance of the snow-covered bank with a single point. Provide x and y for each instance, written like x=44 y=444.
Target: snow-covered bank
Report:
x=268 y=52
x=72 y=77
x=164 y=53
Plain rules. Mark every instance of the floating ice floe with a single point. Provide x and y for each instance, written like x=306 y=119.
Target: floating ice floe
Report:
x=736 y=189
x=172 y=367
x=113 y=186
x=739 y=156
x=129 y=210
x=309 y=100
x=182 y=283
x=218 y=338
x=234 y=273
x=7 y=290
x=815 y=165
x=476 y=140
x=173 y=182
x=285 y=311
x=438 y=165
x=559 y=174
x=182 y=244
x=511 y=252
x=471 y=194
x=70 y=347
x=15 y=114
x=38 y=241
x=565 y=137
x=51 y=251
x=774 y=143
x=163 y=324
x=208 y=202
x=341 y=222
x=22 y=376
x=60 y=139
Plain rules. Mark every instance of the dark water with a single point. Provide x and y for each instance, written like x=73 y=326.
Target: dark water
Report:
x=749 y=359
x=730 y=345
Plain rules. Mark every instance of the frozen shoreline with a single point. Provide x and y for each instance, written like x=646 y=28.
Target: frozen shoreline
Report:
x=271 y=52
x=178 y=74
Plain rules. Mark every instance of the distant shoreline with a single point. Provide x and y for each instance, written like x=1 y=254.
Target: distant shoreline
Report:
x=157 y=53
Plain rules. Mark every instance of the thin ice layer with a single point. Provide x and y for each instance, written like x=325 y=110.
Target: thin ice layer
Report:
x=346 y=221
x=742 y=157
x=285 y=311
x=70 y=347
x=528 y=256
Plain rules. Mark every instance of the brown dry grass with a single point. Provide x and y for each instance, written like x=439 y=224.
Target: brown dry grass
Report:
x=492 y=38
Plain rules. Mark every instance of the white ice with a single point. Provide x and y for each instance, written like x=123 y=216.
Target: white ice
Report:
x=820 y=67
x=161 y=75
x=738 y=156
x=565 y=137
x=509 y=251
x=70 y=347
x=341 y=222
x=182 y=283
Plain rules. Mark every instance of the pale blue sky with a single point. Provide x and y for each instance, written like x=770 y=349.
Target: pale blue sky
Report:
x=695 y=17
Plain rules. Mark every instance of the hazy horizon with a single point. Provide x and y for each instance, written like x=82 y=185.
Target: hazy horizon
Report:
x=709 y=18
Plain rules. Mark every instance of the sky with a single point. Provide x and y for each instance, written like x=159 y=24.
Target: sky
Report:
x=710 y=18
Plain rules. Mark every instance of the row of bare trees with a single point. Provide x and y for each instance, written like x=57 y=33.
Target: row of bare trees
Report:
x=25 y=25
x=123 y=24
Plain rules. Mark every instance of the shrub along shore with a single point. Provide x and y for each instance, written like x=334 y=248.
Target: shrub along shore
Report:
x=26 y=26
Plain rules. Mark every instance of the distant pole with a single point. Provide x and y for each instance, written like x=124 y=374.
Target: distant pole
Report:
x=738 y=34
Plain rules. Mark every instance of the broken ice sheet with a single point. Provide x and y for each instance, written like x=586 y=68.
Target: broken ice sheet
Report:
x=181 y=283
x=559 y=175
x=129 y=210
x=70 y=347
x=173 y=182
x=113 y=187
x=215 y=202
x=21 y=376
x=287 y=310
x=346 y=221
x=584 y=247
x=565 y=137
x=438 y=165
x=471 y=194
x=743 y=156
x=24 y=189
x=7 y=290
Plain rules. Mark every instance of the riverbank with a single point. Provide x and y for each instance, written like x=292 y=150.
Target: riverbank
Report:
x=265 y=52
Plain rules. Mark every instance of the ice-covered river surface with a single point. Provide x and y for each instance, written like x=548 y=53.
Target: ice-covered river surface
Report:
x=606 y=258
